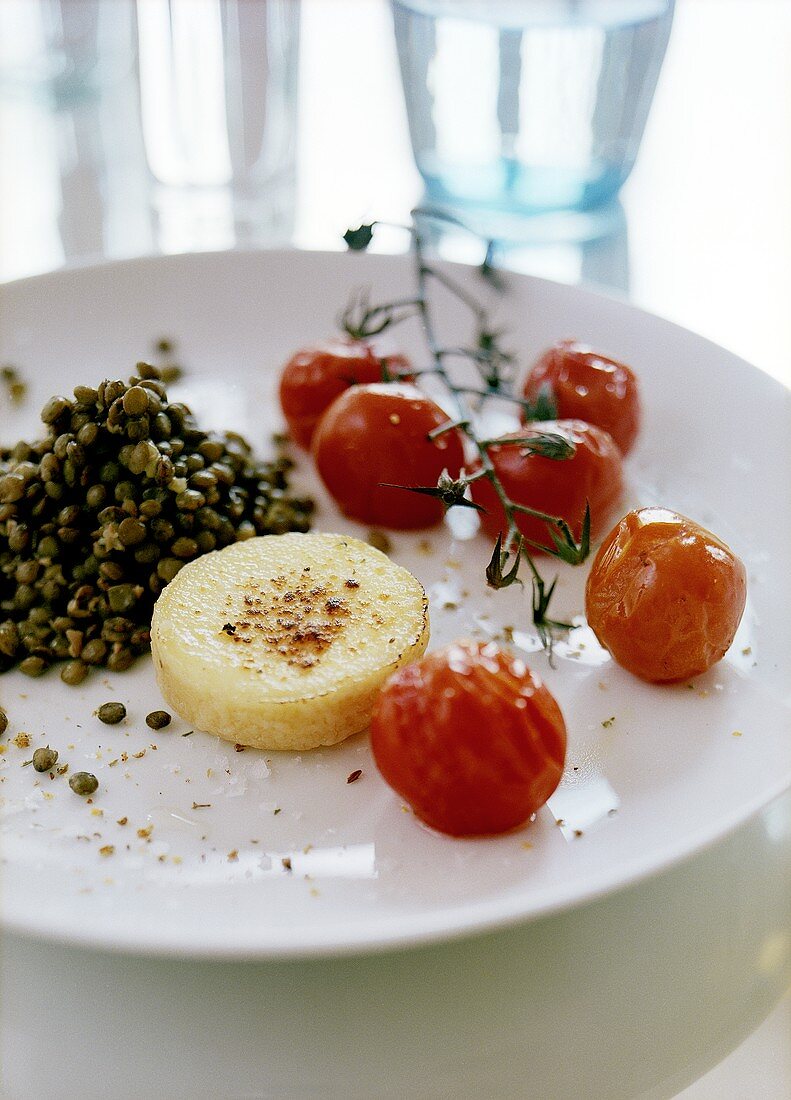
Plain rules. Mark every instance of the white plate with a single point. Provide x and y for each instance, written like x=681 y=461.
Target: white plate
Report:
x=653 y=775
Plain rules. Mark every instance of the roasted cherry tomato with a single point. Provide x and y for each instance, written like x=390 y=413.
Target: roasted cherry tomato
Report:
x=558 y=487
x=374 y=437
x=588 y=386
x=470 y=738
x=664 y=595
x=315 y=376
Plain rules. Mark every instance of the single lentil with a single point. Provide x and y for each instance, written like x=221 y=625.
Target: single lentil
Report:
x=83 y=783
x=158 y=719
x=44 y=759
x=111 y=713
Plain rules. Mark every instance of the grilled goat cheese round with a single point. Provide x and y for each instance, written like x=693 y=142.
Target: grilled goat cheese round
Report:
x=283 y=641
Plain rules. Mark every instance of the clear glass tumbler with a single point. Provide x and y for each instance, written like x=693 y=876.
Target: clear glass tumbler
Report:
x=528 y=107
x=218 y=86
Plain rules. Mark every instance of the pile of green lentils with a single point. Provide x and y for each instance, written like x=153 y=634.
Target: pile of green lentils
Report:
x=97 y=517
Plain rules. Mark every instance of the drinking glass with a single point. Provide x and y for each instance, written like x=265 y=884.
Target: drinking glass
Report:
x=218 y=86
x=526 y=108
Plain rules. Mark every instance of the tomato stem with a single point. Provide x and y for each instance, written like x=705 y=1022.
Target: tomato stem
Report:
x=495 y=368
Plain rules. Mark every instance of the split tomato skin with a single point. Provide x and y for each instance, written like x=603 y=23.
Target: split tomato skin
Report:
x=665 y=596
x=470 y=738
x=559 y=487
x=587 y=385
x=314 y=376
x=375 y=438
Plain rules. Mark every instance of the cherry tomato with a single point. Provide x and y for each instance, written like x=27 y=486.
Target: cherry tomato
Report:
x=664 y=595
x=374 y=437
x=470 y=738
x=315 y=376
x=558 y=487
x=589 y=386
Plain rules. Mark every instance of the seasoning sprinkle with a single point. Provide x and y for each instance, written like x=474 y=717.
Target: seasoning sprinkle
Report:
x=354 y=776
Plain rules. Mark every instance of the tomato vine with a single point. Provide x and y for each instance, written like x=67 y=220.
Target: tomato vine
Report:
x=496 y=369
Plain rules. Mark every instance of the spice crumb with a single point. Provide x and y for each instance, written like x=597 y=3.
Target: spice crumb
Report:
x=122 y=821
x=22 y=740
x=145 y=833
x=107 y=850
x=286 y=861
x=354 y=776
x=608 y=721
x=233 y=855
x=737 y=733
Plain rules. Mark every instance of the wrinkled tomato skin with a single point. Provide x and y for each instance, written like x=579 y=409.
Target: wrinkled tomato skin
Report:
x=470 y=738
x=586 y=385
x=665 y=596
x=315 y=376
x=375 y=437
x=559 y=487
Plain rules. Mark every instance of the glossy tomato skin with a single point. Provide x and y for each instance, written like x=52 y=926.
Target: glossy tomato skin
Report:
x=375 y=437
x=559 y=487
x=315 y=376
x=664 y=595
x=587 y=385
x=470 y=738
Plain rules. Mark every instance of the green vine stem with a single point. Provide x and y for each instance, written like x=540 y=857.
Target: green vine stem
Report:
x=360 y=320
